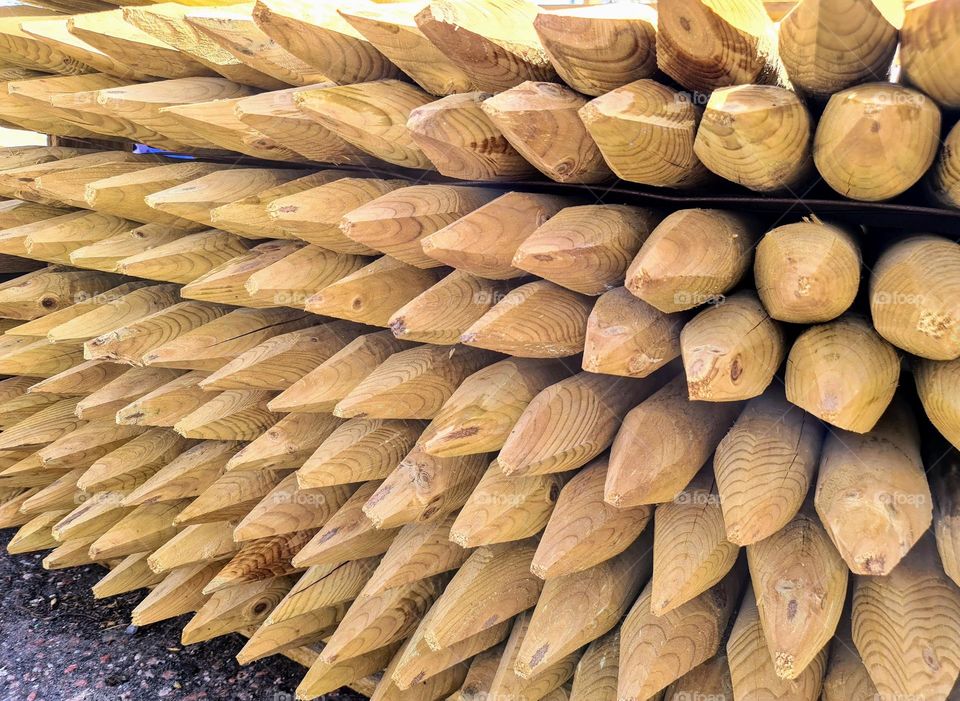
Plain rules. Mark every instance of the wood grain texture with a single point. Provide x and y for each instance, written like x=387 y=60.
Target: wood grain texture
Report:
x=912 y=296
x=752 y=668
x=693 y=257
x=412 y=384
x=230 y=497
x=462 y=141
x=571 y=422
x=598 y=49
x=926 y=58
x=829 y=45
x=286 y=444
x=166 y=404
x=484 y=241
x=628 y=337
x=371 y=116
x=184 y=258
x=492 y=41
x=800 y=584
x=587 y=248
x=541 y=121
x=765 y=465
x=321 y=389
x=758 y=136
x=705 y=45
x=875 y=141
x=646 y=132
x=691 y=552
x=843 y=372
x=480 y=413
x=663 y=443
x=655 y=651
x=187 y=473
x=903 y=624
x=359 y=450
x=807 y=272
x=731 y=351
x=872 y=495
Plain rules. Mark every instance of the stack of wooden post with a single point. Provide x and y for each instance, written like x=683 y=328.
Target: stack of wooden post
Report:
x=466 y=440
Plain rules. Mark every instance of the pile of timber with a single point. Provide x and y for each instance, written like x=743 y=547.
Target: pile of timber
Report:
x=448 y=440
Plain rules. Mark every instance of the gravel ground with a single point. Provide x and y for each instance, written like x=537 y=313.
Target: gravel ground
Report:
x=57 y=643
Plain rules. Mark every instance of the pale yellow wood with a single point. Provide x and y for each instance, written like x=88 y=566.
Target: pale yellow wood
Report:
x=925 y=54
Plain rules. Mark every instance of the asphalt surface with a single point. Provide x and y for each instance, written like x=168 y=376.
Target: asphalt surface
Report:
x=58 y=643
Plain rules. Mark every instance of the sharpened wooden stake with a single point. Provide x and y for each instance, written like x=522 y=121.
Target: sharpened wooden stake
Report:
x=373 y=293
x=596 y=49
x=238 y=607
x=286 y=444
x=321 y=389
x=493 y=585
x=125 y=195
x=391 y=28
x=358 y=450
x=808 y=272
x=690 y=550
x=205 y=542
x=107 y=254
x=843 y=372
x=536 y=320
x=382 y=618
x=462 y=142
x=492 y=41
x=291 y=280
x=214 y=344
x=571 y=422
x=588 y=248
x=628 y=337
x=765 y=465
x=146 y=527
x=693 y=257
x=758 y=136
x=597 y=671
x=397 y=221
x=752 y=671
x=318 y=35
x=484 y=241
x=662 y=444
x=799 y=620
x=230 y=497
x=443 y=312
x=943 y=180
x=578 y=608
x=129 y=465
x=49 y=290
x=936 y=383
x=129 y=343
x=583 y=530
x=371 y=116
x=195 y=199
x=875 y=141
x=646 y=132
x=233 y=29
x=872 y=494
x=829 y=45
x=235 y=415
x=904 y=621
x=412 y=384
x=541 y=121
x=926 y=57
x=655 y=651
x=38 y=428
x=507 y=683
x=180 y=592
x=846 y=677
x=349 y=534
x=185 y=258
x=423 y=488
x=81 y=379
x=166 y=404
x=711 y=678
x=504 y=508
x=731 y=351
x=419 y=550
x=187 y=474
x=314 y=214
x=111 y=34
x=323 y=677
x=479 y=414
x=260 y=559
x=85 y=445
x=288 y=509
x=281 y=360
x=705 y=45
x=912 y=297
